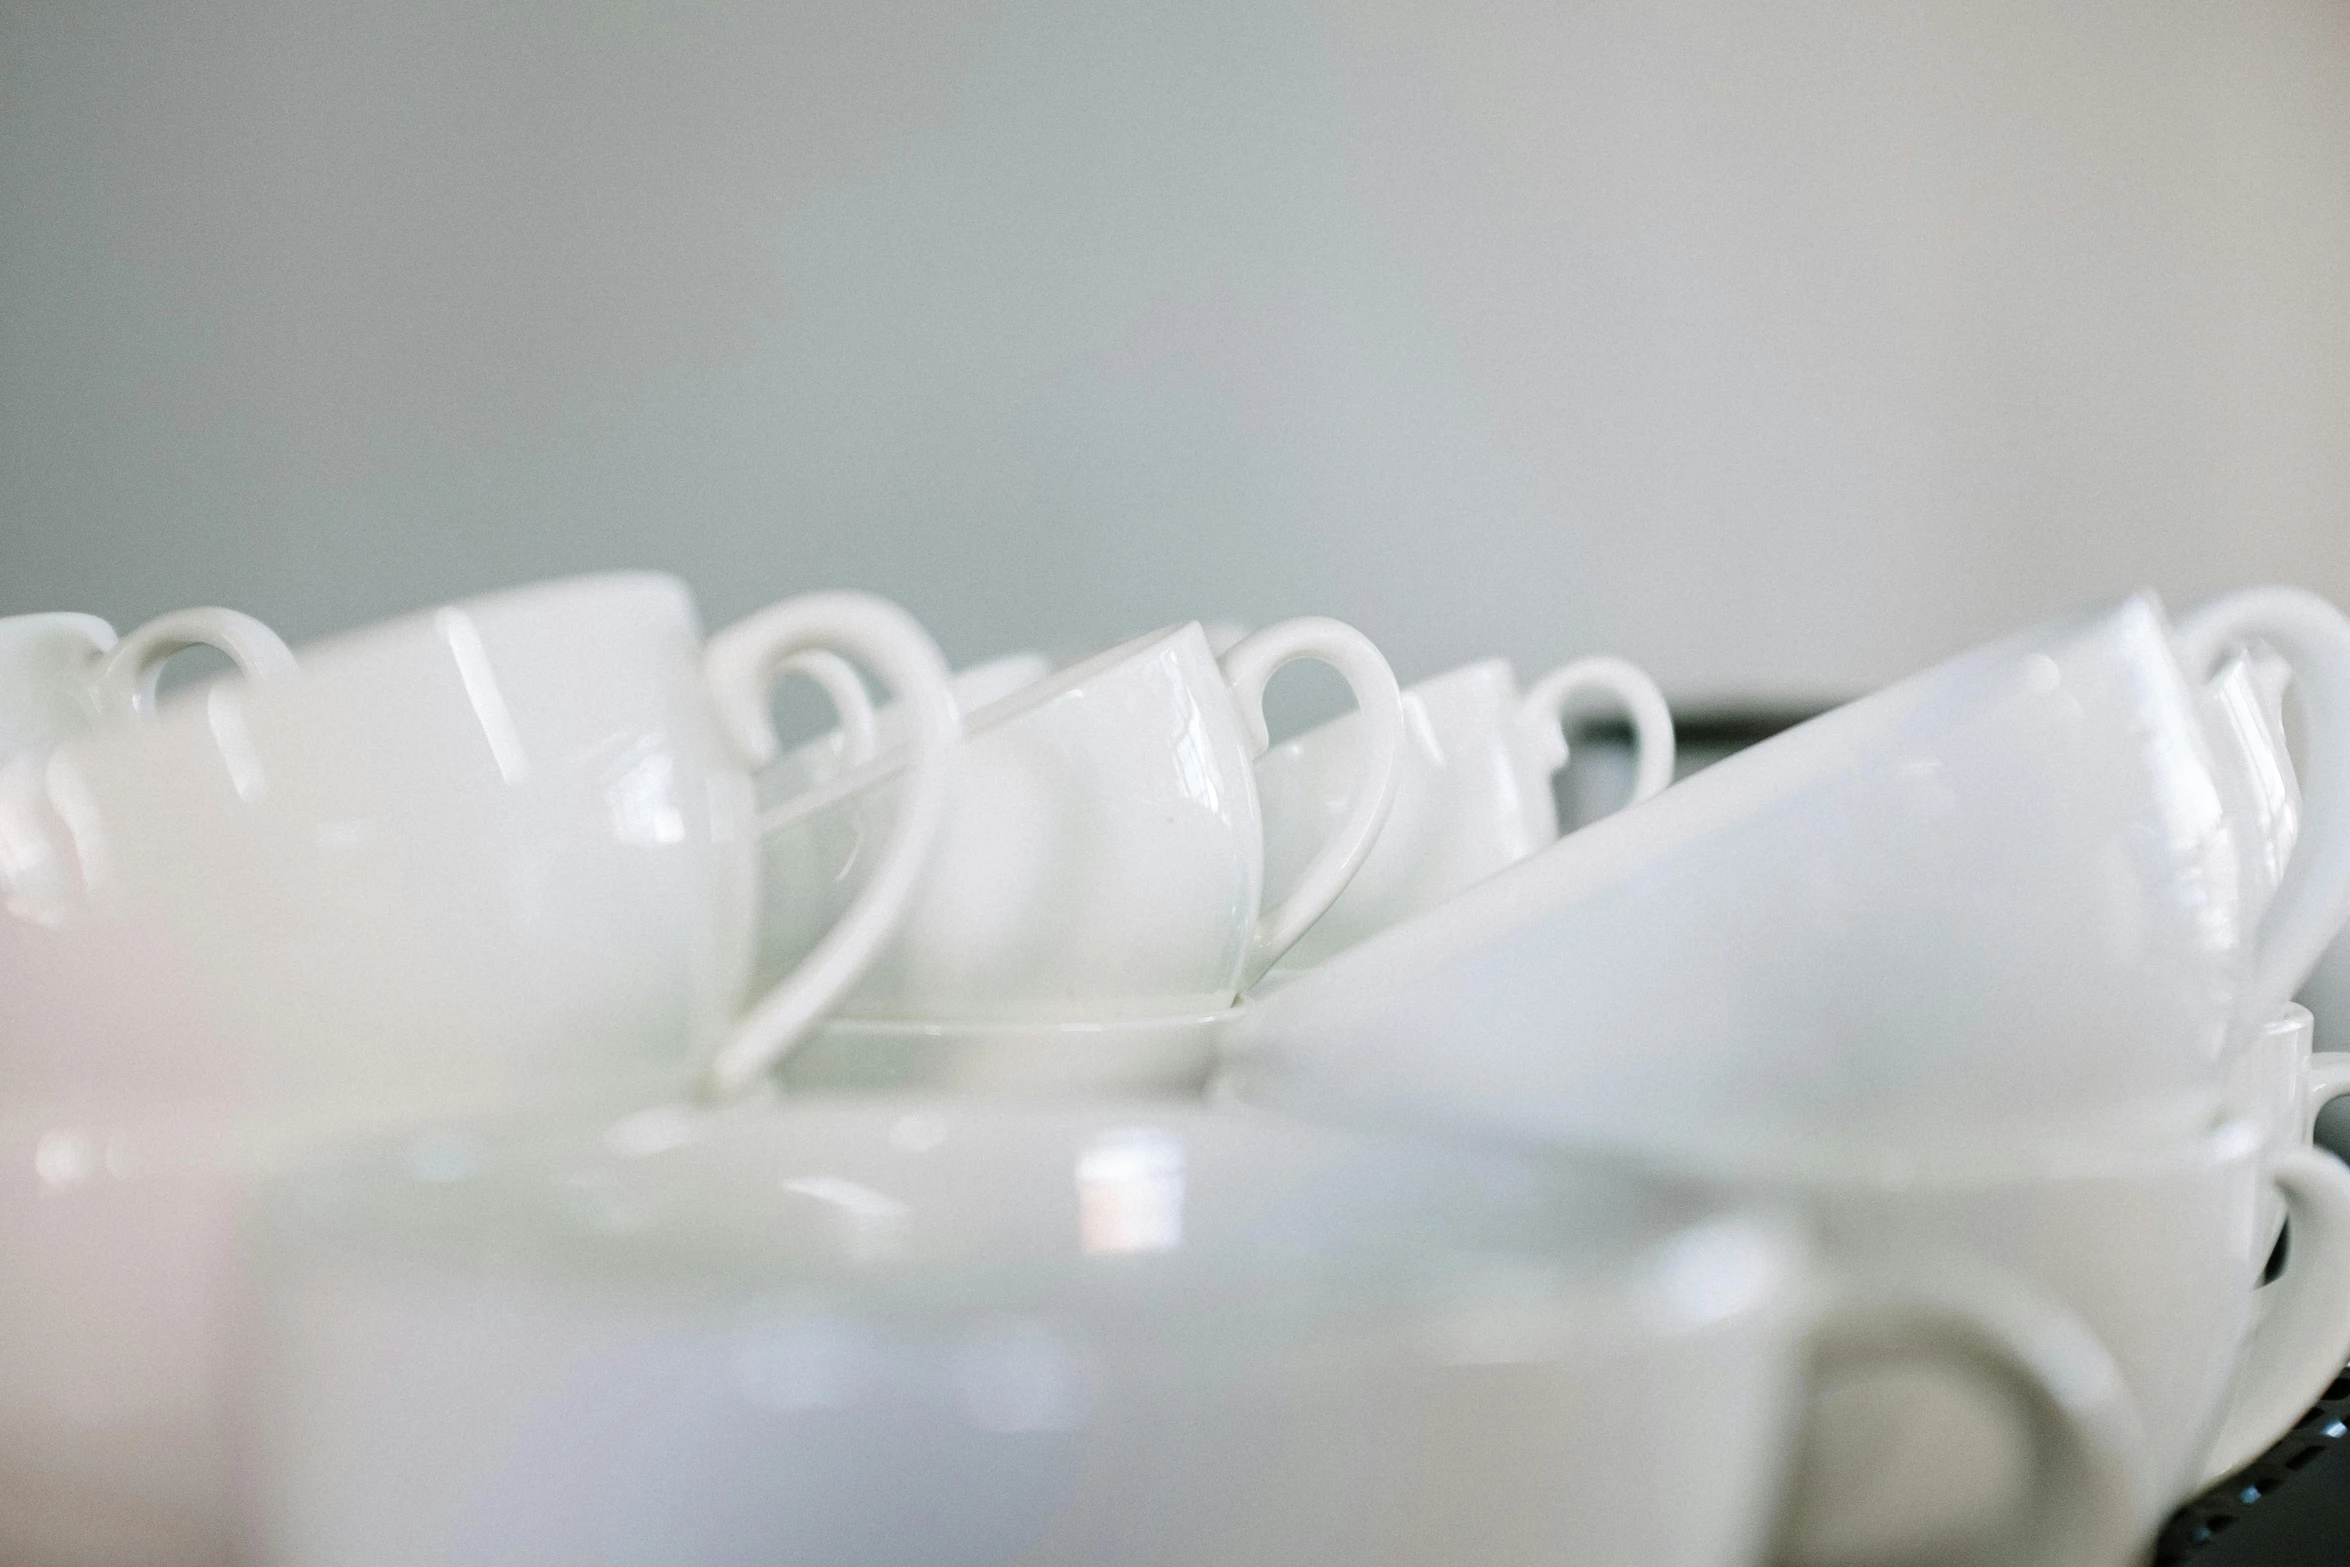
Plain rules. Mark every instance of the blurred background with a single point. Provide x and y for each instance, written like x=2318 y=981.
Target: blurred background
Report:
x=1779 y=348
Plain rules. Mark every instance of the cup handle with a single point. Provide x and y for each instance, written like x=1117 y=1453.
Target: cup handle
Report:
x=845 y=690
x=2313 y=896
x=2063 y=1385
x=2329 y=1080
x=2303 y=1337
x=1545 y=709
x=126 y=677
x=738 y=666
x=1247 y=667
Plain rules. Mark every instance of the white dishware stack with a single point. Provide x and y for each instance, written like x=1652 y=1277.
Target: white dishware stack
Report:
x=472 y=1094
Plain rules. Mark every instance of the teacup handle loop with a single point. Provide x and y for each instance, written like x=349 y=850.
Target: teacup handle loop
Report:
x=2047 y=1366
x=739 y=665
x=2329 y=1080
x=1545 y=706
x=2302 y=1339
x=2313 y=896
x=838 y=679
x=126 y=677
x=1248 y=667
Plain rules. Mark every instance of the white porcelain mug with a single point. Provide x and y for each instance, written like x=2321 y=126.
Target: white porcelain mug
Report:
x=2000 y=899
x=1473 y=793
x=1104 y=855
x=988 y=1334
x=496 y=853
x=63 y=673
x=2148 y=1243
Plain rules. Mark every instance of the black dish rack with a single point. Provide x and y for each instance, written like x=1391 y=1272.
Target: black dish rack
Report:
x=2290 y=1508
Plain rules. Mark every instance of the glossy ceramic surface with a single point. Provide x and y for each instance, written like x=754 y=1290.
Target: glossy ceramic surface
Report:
x=1473 y=793
x=2152 y=1247
x=2002 y=896
x=946 y=1332
x=2311 y=900
x=496 y=853
x=1104 y=853
x=2245 y=720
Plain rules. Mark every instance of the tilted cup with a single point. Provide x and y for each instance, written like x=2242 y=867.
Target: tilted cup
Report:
x=1103 y=858
x=62 y=673
x=998 y=1334
x=498 y=852
x=2002 y=896
x=1472 y=794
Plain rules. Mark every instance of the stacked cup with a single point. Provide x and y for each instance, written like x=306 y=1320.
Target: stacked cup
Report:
x=1971 y=969
x=651 y=1144
x=1097 y=899
x=496 y=854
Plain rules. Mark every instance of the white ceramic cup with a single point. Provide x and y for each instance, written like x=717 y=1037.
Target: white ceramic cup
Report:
x=985 y=1334
x=61 y=674
x=2149 y=1243
x=1472 y=795
x=2000 y=899
x=1104 y=853
x=496 y=853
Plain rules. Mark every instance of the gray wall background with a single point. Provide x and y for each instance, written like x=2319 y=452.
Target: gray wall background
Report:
x=1780 y=347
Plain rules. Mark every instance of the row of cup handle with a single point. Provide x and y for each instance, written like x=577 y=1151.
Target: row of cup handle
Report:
x=2083 y=1421
x=739 y=666
x=816 y=635
x=1249 y=662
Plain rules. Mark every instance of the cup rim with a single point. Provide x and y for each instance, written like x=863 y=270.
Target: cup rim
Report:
x=2115 y=1152
x=619 y=584
x=1623 y=1222
x=1012 y=705
x=41 y=622
x=1756 y=783
x=1003 y=711
x=321 y=662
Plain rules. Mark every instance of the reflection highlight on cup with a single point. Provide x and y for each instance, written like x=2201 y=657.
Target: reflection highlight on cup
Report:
x=873 y=1222
x=1130 y=1193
